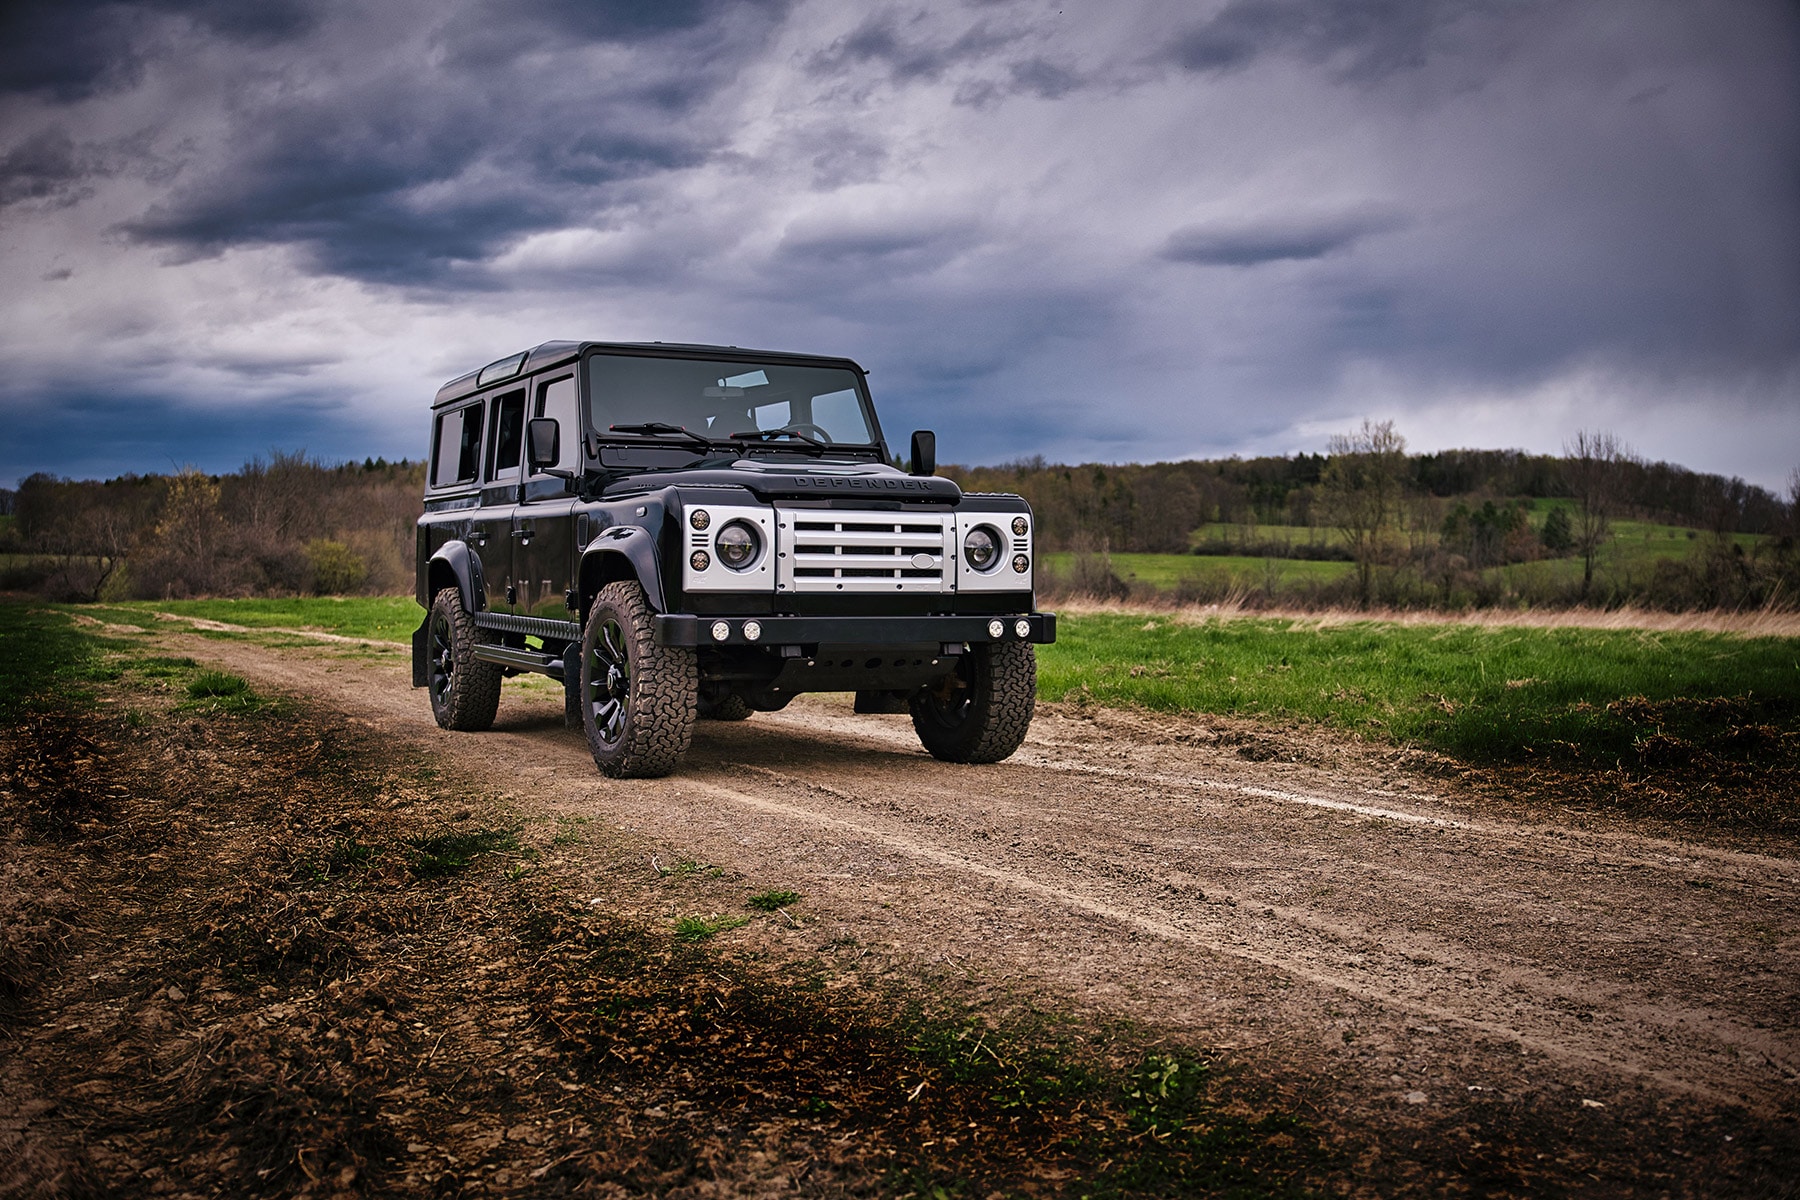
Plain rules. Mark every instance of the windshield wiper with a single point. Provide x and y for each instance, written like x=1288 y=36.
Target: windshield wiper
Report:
x=664 y=429
x=769 y=435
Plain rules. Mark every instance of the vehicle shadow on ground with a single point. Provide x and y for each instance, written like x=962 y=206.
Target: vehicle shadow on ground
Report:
x=752 y=743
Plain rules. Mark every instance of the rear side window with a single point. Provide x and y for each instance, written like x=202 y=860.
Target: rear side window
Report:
x=509 y=435
x=456 y=447
x=557 y=400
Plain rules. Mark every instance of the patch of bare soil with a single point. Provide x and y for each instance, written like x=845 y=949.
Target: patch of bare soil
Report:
x=1457 y=990
x=273 y=954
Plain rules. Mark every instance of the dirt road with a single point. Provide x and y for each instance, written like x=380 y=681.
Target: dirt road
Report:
x=1428 y=966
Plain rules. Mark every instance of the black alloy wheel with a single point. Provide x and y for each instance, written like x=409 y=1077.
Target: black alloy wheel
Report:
x=639 y=700
x=979 y=713
x=465 y=692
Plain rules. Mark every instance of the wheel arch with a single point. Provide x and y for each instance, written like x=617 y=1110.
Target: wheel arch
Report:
x=455 y=565
x=622 y=552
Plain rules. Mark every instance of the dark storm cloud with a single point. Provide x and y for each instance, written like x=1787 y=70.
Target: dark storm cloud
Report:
x=69 y=49
x=912 y=49
x=47 y=168
x=1359 y=38
x=1247 y=245
x=98 y=435
x=433 y=169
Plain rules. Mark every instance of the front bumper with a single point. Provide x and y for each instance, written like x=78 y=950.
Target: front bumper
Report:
x=685 y=629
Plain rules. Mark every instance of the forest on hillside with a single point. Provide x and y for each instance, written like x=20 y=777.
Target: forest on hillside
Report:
x=1381 y=526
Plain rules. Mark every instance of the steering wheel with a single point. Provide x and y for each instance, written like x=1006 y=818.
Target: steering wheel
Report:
x=808 y=428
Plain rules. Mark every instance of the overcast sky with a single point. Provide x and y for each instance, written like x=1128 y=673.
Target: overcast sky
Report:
x=1118 y=232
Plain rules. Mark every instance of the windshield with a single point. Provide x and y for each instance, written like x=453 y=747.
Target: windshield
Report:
x=722 y=398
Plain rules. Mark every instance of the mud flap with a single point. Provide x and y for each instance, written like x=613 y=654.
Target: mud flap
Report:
x=572 y=686
x=420 y=642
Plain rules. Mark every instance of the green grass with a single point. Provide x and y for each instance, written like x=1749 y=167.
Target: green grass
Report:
x=775 y=898
x=1167 y=571
x=382 y=618
x=445 y=854
x=698 y=929
x=222 y=692
x=45 y=658
x=1481 y=693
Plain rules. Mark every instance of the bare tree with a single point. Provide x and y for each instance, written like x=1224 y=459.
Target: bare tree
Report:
x=1591 y=469
x=1360 y=491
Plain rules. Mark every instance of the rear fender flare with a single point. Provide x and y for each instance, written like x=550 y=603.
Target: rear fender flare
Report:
x=455 y=565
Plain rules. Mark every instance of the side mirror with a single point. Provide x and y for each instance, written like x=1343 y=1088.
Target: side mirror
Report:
x=924 y=452
x=543 y=441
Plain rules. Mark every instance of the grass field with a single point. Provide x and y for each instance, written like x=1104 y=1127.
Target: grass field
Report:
x=1165 y=572
x=1506 y=694
x=1482 y=693
x=384 y=618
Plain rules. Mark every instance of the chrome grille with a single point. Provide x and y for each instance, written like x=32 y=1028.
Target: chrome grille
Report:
x=833 y=551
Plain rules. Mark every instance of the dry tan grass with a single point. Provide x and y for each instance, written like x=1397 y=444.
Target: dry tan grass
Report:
x=1754 y=623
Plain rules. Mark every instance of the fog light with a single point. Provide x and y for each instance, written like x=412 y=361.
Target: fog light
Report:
x=1019 y=526
x=752 y=630
x=720 y=631
x=1021 y=564
x=1022 y=627
x=699 y=518
x=700 y=560
x=996 y=629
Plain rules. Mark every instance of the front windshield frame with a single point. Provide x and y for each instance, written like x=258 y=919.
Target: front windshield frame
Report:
x=717 y=434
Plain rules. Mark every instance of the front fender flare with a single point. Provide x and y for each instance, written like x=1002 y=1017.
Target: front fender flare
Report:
x=636 y=547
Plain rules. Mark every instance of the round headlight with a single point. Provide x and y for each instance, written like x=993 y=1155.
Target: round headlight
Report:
x=1019 y=526
x=1022 y=627
x=700 y=560
x=996 y=629
x=981 y=547
x=752 y=630
x=720 y=631
x=737 y=544
x=1021 y=564
x=699 y=518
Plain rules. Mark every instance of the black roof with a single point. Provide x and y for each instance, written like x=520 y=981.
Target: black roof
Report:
x=551 y=354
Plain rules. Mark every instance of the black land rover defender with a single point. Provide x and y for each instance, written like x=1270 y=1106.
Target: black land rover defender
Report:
x=679 y=532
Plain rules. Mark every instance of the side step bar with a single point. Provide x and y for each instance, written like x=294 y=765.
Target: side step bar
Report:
x=523 y=660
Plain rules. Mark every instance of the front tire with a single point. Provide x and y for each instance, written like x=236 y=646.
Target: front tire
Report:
x=465 y=692
x=980 y=713
x=639 y=699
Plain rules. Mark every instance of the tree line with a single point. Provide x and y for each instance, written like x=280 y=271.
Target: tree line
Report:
x=1418 y=528
x=285 y=525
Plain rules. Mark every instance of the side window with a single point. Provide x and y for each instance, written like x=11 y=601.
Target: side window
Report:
x=557 y=400
x=456 y=447
x=509 y=435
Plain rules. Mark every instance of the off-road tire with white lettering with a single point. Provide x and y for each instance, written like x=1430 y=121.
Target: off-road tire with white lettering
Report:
x=465 y=692
x=639 y=699
x=980 y=713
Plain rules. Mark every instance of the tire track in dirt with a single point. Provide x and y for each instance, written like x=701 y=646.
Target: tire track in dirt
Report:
x=1195 y=892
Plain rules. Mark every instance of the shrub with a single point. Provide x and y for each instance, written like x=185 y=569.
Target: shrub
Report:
x=336 y=568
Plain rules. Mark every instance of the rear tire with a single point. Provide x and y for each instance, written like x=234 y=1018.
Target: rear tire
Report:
x=639 y=699
x=729 y=707
x=980 y=713
x=465 y=692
